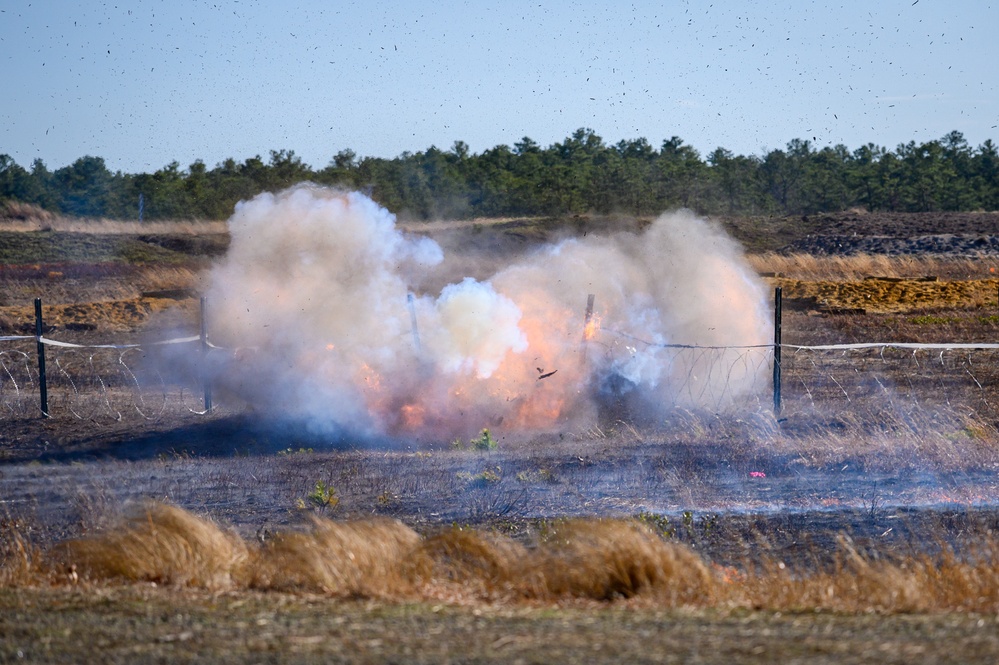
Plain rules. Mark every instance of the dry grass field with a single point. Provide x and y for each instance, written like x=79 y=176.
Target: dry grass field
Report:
x=848 y=530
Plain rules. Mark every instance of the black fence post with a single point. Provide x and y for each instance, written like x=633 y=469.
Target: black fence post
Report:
x=42 y=382
x=778 y=295
x=206 y=382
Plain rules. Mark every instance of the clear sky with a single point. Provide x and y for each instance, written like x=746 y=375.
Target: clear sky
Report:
x=142 y=83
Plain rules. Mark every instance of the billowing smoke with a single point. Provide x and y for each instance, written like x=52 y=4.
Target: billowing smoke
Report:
x=317 y=305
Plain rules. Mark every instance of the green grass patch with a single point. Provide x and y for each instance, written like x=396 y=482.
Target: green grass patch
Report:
x=58 y=247
x=933 y=320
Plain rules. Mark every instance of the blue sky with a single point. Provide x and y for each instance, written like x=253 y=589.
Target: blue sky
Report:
x=144 y=83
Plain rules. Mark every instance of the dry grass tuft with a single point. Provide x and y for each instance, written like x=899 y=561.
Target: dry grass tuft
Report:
x=571 y=560
x=883 y=438
x=361 y=558
x=864 y=583
x=17 y=211
x=158 y=543
x=810 y=267
x=17 y=216
x=461 y=563
x=20 y=561
x=604 y=559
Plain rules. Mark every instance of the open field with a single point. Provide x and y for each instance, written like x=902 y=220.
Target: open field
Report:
x=140 y=624
x=849 y=529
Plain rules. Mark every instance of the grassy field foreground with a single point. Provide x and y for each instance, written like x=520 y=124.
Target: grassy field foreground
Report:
x=145 y=624
x=169 y=585
x=166 y=584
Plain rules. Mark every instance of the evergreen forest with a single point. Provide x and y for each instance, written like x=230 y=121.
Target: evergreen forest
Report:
x=582 y=174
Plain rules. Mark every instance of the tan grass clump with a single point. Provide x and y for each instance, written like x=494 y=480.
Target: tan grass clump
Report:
x=576 y=559
x=604 y=559
x=16 y=216
x=20 y=561
x=856 y=267
x=860 y=583
x=20 y=212
x=358 y=558
x=463 y=564
x=158 y=543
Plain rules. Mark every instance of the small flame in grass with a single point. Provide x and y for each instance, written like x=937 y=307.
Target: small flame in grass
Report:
x=757 y=474
x=330 y=347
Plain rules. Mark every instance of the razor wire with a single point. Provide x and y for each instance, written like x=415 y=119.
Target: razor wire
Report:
x=716 y=378
x=95 y=382
x=851 y=377
x=900 y=376
x=119 y=381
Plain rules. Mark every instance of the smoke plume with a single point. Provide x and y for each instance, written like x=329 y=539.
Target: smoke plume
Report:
x=318 y=309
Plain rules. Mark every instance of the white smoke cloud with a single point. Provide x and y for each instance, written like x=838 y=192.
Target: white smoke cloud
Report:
x=314 y=300
x=476 y=328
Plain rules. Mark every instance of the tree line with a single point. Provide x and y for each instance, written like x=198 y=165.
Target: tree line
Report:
x=581 y=174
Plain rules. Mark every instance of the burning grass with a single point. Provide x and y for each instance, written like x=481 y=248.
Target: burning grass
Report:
x=592 y=560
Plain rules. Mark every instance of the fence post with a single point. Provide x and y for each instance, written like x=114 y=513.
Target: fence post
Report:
x=778 y=296
x=206 y=383
x=42 y=383
x=412 y=322
x=587 y=318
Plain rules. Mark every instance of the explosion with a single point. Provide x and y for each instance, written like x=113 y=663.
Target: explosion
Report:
x=319 y=304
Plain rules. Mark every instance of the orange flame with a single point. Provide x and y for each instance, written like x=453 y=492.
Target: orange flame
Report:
x=532 y=390
x=412 y=416
x=592 y=327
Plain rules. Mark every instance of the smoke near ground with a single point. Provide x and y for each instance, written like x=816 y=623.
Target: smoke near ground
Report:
x=317 y=307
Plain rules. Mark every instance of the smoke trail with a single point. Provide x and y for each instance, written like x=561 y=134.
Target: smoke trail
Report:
x=314 y=299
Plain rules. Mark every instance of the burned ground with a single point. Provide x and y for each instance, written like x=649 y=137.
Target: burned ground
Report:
x=900 y=478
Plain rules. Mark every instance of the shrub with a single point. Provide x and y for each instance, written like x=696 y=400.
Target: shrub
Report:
x=485 y=441
x=323 y=496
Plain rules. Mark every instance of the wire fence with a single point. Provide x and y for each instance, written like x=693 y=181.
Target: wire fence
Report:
x=97 y=382
x=93 y=384
x=907 y=378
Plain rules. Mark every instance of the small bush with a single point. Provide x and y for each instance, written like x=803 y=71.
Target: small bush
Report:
x=485 y=441
x=323 y=496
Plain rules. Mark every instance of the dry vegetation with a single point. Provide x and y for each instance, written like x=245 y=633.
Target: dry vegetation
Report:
x=859 y=267
x=167 y=583
x=24 y=217
x=588 y=559
x=575 y=559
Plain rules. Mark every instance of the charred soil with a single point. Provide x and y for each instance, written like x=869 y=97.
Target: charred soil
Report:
x=898 y=479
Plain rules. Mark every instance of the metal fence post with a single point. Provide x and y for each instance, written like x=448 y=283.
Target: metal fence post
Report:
x=778 y=294
x=587 y=318
x=412 y=322
x=42 y=382
x=206 y=382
